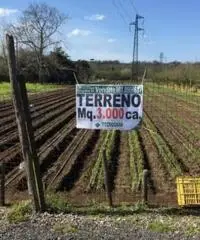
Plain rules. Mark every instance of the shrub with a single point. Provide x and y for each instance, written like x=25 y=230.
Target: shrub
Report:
x=19 y=212
x=57 y=204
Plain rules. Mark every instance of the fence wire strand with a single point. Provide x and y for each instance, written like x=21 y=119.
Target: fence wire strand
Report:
x=167 y=144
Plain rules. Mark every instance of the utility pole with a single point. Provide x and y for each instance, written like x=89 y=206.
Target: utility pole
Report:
x=135 y=63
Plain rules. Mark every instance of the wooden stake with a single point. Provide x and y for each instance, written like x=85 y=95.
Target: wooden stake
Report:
x=25 y=130
x=145 y=186
x=107 y=179
x=2 y=184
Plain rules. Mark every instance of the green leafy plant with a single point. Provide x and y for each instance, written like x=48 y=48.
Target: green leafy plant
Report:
x=136 y=159
x=157 y=226
x=166 y=154
x=65 y=228
x=19 y=212
x=97 y=176
x=57 y=204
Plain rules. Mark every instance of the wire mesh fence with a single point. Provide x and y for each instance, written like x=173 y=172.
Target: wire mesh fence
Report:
x=71 y=159
x=172 y=120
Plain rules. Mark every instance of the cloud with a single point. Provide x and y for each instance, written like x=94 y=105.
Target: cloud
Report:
x=149 y=42
x=112 y=40
x=78 y=32
x=6 y=12
x=95 y=17
x=107 y=54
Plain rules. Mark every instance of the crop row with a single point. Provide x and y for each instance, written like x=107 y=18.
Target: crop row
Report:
x=136 y=159
x=181 y=136
x=96 y=180
x=46 y=154
x=186 y=97
x=165 y=152
x=39 y=118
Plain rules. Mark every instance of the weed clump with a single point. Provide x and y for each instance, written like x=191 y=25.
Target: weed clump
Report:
x=19 y=212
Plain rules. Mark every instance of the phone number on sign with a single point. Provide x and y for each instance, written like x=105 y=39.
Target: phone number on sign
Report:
x=112 y=124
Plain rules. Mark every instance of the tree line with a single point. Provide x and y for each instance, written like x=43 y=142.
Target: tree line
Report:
x=172 y=72
x=35 y=33
x=40 y=57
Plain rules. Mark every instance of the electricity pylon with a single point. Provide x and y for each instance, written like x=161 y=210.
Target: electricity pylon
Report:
x=161 y=57
x=135 y=63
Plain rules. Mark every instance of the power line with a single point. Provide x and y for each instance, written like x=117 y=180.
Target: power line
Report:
x=125 y=11
x=122 y=10
x=133 y=6
x=121 y=15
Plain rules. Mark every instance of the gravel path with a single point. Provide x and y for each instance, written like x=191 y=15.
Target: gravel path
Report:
x=47 y=226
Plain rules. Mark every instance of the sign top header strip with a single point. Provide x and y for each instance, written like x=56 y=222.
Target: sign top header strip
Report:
x=111 y=89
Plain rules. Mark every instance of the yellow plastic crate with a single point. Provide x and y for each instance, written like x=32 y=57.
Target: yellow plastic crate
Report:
x=188 y=191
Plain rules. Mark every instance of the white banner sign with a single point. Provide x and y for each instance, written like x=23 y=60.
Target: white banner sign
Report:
x=109 y=106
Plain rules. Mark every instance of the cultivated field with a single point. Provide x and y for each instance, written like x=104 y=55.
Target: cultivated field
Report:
x=168 y=144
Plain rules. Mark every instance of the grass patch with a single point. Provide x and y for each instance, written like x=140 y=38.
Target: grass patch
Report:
x=192 y=230
x=57 y=204
x=38 y=87
x=5 y=89
x=161 y=220
x=140 y=207
x=159 y=227
x=65 y=228
x=19 y=212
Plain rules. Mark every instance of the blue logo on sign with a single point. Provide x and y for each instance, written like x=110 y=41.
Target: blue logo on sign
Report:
x=97 y=125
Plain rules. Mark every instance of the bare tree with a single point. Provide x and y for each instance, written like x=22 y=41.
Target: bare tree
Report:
x=36 y=28
x=3 y=56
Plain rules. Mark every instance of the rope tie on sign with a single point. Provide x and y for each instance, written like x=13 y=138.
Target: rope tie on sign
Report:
x=144 y=75
x=75 y=78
